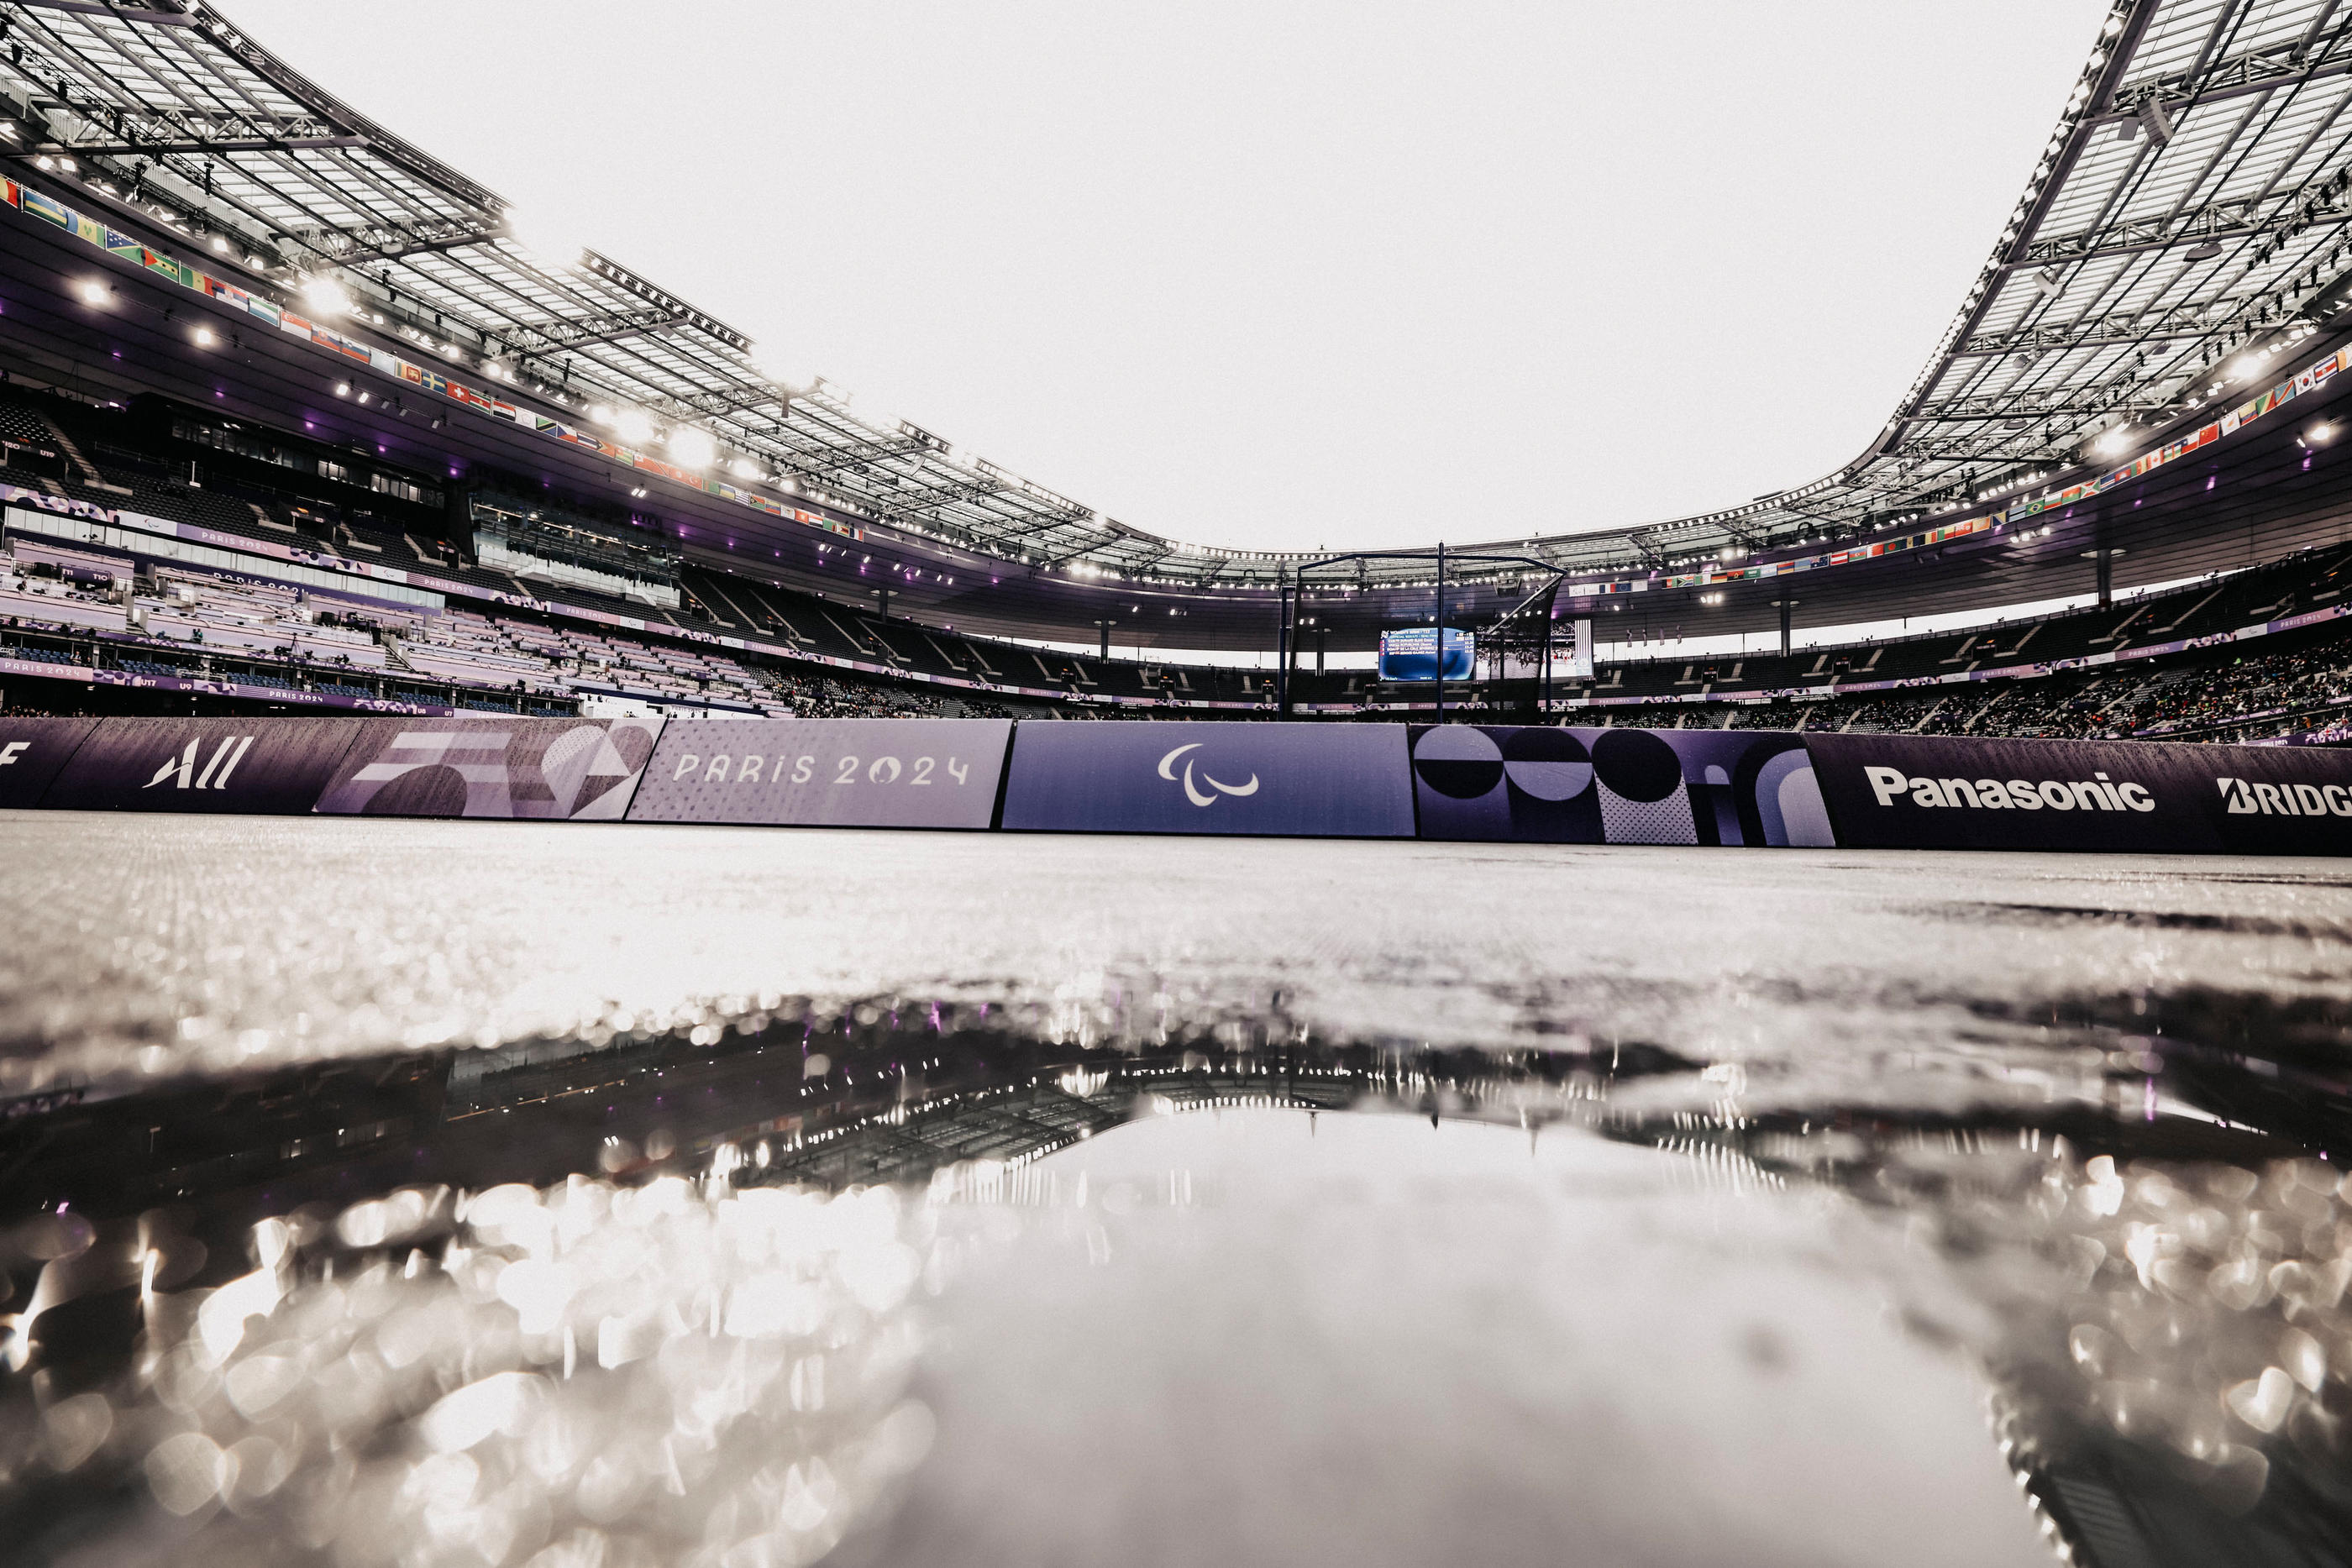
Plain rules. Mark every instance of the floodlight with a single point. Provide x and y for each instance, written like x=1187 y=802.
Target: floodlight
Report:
x=634 y=425
x=92 y=291
x=744 y=469
x=691 y=447
x=325 y=295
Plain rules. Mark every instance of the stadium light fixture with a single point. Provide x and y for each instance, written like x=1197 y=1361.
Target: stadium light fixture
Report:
x=2320 y=434
x=744 y=469
x=342 y=389
x=325 y=295
x=691 y=447
x=92 y=291
x=203 y=336
x=634 y=425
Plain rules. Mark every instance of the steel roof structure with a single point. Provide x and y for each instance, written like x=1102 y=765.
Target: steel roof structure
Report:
x=2186 y=221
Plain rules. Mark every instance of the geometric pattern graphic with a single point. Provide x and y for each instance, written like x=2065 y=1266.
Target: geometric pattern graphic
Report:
x=1539 y=784
x=563 y=769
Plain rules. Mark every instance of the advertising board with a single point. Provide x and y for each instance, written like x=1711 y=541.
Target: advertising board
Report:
x=211 y=765
x=1536 y=784
x=1902 y=791
x=827 y=772
x=1341 y=780
x=32 y=752
x=564 y=769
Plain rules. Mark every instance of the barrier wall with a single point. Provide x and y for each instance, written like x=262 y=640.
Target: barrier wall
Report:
x=251 y=765
x=1898 y=791
x=576 y=769
x=1540 y=785
x=1459 y=782
x=1346 y=781
x=828 y=772
x=32 y=751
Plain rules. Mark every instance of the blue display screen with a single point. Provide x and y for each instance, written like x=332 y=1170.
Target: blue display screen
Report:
x=1410 y=654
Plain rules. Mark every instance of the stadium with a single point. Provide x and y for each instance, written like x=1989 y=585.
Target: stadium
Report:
x=981 y=1032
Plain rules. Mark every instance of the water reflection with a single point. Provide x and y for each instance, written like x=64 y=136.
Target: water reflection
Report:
x=668 y=1296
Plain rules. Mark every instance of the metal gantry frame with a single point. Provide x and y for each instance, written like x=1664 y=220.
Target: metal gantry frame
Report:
x=1293 y=587
x=2189 y=220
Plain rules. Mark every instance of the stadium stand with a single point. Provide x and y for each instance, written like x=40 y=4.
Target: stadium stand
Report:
x=347 y=642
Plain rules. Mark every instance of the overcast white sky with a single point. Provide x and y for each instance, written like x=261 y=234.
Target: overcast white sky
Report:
x=1278 y=273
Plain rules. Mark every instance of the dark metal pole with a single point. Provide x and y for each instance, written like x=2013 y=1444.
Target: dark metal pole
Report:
x=1441 y=632
x=1282 y=648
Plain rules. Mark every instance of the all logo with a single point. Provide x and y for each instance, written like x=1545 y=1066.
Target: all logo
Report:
x=1193 y=790
x=182 y=770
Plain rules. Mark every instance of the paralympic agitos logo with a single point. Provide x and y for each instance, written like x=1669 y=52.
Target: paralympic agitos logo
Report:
x=1193 y=790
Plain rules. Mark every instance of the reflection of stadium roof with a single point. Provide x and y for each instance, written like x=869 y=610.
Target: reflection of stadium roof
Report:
x=2190 y=207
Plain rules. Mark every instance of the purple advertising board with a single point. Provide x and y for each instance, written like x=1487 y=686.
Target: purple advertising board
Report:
x=1535 y=784
x=827 y=772
x=33 y=751
x=559 y=769
x=1909 y=792
x=211 y=765
x=1340 y=781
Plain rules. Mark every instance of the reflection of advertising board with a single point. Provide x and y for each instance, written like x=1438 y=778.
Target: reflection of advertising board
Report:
x=1894 y=791
x=577 y=769
x=1410 y=654
x=1342 y=780
x=1542 y=785
x=211 y=765
x=32 y=751
x=827 y=772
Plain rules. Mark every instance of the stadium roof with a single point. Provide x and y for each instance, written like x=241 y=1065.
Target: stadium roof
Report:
x=2186 y=219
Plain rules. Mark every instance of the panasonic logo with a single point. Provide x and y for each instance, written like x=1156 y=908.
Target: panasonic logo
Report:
x=2095 y=793
x=2244 y=798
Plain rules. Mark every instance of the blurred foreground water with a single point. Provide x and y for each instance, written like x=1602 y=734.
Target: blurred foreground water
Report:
x=449 y=1193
